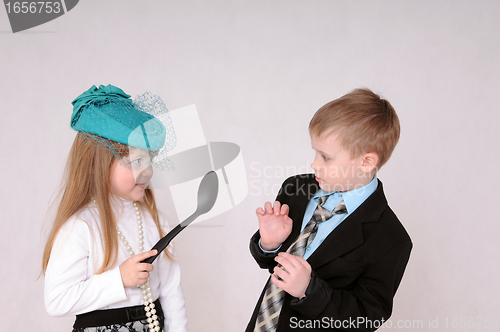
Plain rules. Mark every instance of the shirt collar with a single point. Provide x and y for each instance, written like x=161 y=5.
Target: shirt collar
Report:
x=353 y=198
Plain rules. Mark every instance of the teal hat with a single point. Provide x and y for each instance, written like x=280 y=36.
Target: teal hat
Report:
x=108 y=112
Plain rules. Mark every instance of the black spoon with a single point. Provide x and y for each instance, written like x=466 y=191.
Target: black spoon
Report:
x=207 y=195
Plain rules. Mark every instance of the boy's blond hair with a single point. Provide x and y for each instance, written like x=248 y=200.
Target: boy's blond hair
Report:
x=363 y=121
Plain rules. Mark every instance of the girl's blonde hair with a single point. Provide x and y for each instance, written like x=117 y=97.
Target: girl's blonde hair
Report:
x=86 y=178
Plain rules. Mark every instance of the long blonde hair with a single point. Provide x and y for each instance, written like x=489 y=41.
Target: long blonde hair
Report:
x=86 y=178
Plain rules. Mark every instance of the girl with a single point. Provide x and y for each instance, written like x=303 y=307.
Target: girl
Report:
x=107 y=216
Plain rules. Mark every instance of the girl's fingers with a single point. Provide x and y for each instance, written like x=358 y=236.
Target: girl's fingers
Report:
x=148 y=254
x=140 y=257
x=145 y=267
x=133 y=272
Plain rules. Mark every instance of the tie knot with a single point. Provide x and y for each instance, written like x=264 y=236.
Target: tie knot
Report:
x=321 y=214
x=322 y=200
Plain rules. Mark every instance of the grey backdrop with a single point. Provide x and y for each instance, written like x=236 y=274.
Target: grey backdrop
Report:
x=257 y=71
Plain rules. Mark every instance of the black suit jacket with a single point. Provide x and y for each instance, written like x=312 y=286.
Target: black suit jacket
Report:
x=355 y=271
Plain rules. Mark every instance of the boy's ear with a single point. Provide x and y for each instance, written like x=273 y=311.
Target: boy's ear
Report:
x=369 y=163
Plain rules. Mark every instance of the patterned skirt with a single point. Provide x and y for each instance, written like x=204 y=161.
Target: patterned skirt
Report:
x=137 y=326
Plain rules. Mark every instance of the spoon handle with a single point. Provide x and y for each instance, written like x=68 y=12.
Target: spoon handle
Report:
x=164 y=241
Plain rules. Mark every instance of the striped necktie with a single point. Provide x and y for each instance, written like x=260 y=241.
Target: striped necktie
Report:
x=270 y=308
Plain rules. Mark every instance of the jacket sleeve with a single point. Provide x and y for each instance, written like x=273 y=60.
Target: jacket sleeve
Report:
x=368 y=304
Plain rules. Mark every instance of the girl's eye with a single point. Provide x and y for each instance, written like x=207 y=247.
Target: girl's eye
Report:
x=325 y=158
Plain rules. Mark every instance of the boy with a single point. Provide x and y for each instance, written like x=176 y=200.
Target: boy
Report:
x=343 y=270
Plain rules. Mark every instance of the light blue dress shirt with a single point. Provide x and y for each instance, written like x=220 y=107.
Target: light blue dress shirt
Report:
x=352 y=200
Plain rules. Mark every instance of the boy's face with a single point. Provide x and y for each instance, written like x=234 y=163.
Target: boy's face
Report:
x=334 y=168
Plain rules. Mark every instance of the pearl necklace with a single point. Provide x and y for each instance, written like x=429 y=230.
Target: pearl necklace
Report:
x=149 y=305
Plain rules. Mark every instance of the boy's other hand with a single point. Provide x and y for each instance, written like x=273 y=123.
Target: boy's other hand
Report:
x=274 y=225
x=295 y=276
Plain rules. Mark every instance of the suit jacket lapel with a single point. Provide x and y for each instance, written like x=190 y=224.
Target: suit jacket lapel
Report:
x=349 y=234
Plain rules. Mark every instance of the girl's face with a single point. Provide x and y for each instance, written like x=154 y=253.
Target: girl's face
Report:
x=130 y=175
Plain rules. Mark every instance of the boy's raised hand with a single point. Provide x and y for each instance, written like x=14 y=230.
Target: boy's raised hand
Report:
x=274 y=225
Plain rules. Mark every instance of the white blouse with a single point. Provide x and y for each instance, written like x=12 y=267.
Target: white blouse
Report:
x=72 y=286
